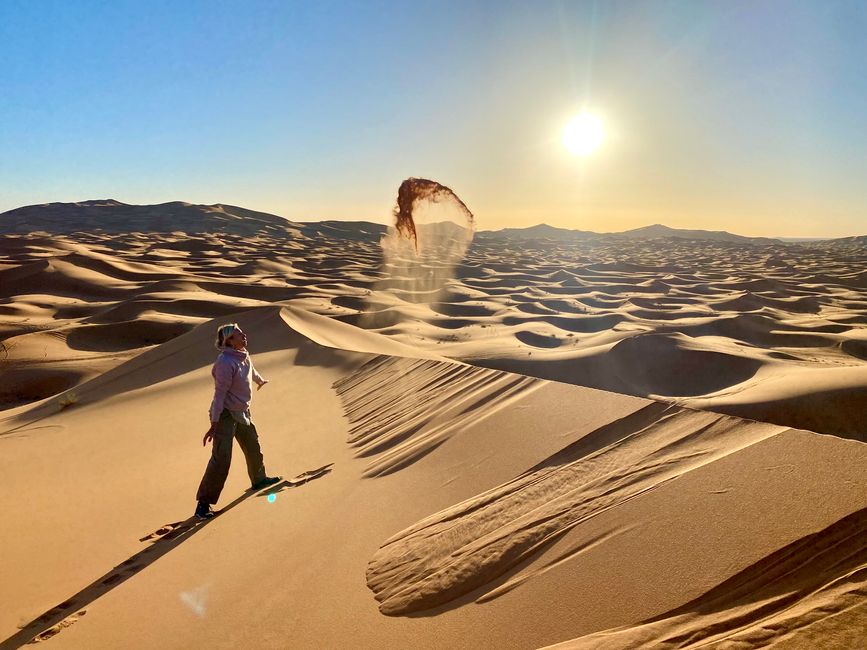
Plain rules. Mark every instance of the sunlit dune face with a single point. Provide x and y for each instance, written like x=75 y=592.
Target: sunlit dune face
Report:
x=583 y=134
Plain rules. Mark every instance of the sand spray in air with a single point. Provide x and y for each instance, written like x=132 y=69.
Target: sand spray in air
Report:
x=432 y=231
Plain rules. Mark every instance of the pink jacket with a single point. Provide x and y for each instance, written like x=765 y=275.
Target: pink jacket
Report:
x=234 y=375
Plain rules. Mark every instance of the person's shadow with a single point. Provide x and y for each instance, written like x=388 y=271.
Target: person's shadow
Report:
x=163 y=540
x=298 y=481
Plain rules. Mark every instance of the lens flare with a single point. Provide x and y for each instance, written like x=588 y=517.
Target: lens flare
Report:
x=272 y=498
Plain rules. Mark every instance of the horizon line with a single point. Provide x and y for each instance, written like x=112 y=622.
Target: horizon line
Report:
x=385 y=223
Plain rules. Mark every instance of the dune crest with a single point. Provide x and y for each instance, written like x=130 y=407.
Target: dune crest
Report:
x=466 y=546
x=401 y=409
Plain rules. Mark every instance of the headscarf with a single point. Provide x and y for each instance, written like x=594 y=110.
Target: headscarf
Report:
x=224 y=332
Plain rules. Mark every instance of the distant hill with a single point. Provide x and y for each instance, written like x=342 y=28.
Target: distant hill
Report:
x=354 y=230
x=112 y=216
x=860 y=240
x=658 y=230
x=854 y=245
x=544 y=231
x=540 y=231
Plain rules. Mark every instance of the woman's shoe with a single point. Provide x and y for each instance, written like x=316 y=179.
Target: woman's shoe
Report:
x=204 y=511
x=265 y=482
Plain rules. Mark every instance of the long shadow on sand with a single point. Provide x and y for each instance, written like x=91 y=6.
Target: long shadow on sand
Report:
x=164 y=539
x=298 y=481
x=60 y=616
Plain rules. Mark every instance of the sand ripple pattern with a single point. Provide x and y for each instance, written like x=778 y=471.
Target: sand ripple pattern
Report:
x=470 y=544
x=402 y=409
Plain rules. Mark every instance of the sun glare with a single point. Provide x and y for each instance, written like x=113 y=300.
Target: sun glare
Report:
x=583 y=134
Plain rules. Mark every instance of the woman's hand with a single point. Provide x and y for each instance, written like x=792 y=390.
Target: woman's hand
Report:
x=210 y=434
x=264 y=381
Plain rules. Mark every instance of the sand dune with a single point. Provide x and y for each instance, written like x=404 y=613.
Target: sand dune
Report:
x=498 y=530
x=546 y=496
x=441 y=490
x=809 y=594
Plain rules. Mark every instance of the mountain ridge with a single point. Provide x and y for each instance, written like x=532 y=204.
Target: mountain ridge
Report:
x=111 y=215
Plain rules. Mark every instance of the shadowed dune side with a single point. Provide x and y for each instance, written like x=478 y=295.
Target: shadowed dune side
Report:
x=676 y=366
x=33 y=383
x=830 y=400
x=470 y=544
x=401 y=409
x=809 y=594
x=40 y=364
x=659 y=365
x=62 y=278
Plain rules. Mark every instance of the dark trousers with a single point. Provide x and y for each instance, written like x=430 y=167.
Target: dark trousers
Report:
x=221 y=456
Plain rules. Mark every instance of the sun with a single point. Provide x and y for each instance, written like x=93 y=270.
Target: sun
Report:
x=583 y=134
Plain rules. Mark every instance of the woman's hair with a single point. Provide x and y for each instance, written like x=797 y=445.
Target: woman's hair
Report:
x=224 y=332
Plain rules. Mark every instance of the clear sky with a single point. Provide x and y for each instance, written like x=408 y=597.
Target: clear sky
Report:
x=743 y=116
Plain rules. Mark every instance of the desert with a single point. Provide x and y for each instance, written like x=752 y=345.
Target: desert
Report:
x=612 y=440
x=410 y=325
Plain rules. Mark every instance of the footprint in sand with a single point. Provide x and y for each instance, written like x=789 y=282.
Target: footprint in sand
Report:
x=55 y=629
x=310 y=475
x=301 y=479
x=169 y=530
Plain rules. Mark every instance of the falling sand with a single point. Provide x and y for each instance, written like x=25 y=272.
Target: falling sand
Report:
x=411 y=193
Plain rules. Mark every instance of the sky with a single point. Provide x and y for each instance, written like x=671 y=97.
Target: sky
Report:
x=746 y=116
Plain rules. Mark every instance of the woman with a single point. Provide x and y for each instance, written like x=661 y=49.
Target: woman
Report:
x=234 y=375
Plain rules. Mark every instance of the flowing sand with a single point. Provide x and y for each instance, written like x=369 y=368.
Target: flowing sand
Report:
x=441 y=490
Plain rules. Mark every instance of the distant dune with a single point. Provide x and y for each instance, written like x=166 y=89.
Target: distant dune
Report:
x=544 y=231
x=658 y=230
x=110 y=215
x=644 y=439
x=540 y=231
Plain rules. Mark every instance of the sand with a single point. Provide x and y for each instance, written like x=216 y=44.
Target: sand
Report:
x=551 y=449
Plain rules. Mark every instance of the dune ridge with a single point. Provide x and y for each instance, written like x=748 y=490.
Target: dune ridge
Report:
x=486 y=536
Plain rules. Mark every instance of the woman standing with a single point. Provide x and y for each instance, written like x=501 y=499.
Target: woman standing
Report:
x=234 y=375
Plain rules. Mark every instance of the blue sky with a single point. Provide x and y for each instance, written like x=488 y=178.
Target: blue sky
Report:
x=744 y=116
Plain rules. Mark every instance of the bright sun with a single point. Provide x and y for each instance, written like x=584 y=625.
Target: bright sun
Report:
x=583 y=135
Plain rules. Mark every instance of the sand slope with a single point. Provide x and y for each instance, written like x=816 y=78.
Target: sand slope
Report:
x=440 y=490
x=467 y=525
x=809 y=594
